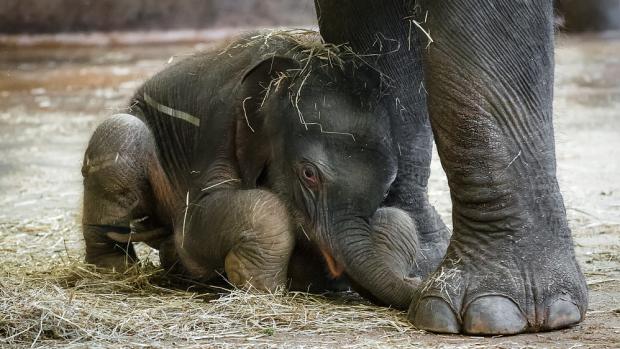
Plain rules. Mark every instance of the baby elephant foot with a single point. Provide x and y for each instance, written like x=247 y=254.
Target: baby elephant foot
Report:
x=242 y=271
x=393 y=249
x=483 y=292
x=105 y=252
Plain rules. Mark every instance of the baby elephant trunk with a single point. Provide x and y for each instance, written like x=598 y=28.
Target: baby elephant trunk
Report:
x=378 y=255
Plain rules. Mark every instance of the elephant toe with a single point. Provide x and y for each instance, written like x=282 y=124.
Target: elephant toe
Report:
x=562 y=313
x=435 y=315
x=493 y=315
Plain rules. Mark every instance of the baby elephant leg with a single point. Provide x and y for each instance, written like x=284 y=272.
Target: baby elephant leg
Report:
x=396 y=239
x=247 y=233
x=395 y=243
x=116 y=189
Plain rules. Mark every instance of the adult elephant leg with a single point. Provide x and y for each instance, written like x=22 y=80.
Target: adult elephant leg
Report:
x=385 y=35
x=510 y=266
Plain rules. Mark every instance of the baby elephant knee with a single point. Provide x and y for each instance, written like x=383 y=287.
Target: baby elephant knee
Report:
x=262 y=253
x=115 y=171
x=245 y=231
x=267 y=216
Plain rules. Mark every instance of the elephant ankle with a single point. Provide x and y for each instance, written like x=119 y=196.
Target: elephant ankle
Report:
x=523 y=209
x=104 y=252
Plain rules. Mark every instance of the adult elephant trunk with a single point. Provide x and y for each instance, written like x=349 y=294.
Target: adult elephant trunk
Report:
x=378 y=255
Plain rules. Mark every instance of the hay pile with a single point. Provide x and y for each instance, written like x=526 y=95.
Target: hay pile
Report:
x=316 y=58
x=48 y=297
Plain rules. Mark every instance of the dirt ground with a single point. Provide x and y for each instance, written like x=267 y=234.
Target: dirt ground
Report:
x=52 y=98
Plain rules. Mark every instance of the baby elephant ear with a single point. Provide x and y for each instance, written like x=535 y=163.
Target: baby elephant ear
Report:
x=251 y=151
x=257 y=78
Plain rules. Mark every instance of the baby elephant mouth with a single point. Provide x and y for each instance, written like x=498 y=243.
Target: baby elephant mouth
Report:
x=335 y=269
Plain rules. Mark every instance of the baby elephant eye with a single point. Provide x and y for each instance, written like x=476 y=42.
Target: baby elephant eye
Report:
x=309 y=174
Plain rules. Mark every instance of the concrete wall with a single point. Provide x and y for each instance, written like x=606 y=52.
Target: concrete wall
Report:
x=589 y=15
x=52 y=16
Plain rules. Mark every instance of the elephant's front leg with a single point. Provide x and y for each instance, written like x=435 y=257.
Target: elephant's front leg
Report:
x=245 y=233
x=374 y=28
x=394 y=245
x=510 y=266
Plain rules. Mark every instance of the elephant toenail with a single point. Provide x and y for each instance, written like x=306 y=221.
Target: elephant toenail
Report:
x=562 y=313
x=493 y=315
x=435 y=315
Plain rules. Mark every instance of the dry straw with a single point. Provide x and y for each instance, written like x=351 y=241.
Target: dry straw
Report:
x=49 y=297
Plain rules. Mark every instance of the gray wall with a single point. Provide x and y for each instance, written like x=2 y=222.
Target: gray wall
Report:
x=589 y=15
x=51 y=16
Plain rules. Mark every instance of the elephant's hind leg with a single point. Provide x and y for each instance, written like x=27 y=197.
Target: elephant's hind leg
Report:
x=116 y=189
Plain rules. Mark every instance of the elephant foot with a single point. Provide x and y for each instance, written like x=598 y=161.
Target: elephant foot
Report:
x=242 y=273
x=105 y=252
x=502 y=290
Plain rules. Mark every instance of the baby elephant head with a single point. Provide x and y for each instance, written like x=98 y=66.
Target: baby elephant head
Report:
x=317 y=136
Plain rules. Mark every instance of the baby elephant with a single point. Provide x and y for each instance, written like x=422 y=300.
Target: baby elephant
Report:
x=267 y=160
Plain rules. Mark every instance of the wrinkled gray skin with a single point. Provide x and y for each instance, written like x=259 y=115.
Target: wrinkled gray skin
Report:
x=255 y=174
x=510 y=266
